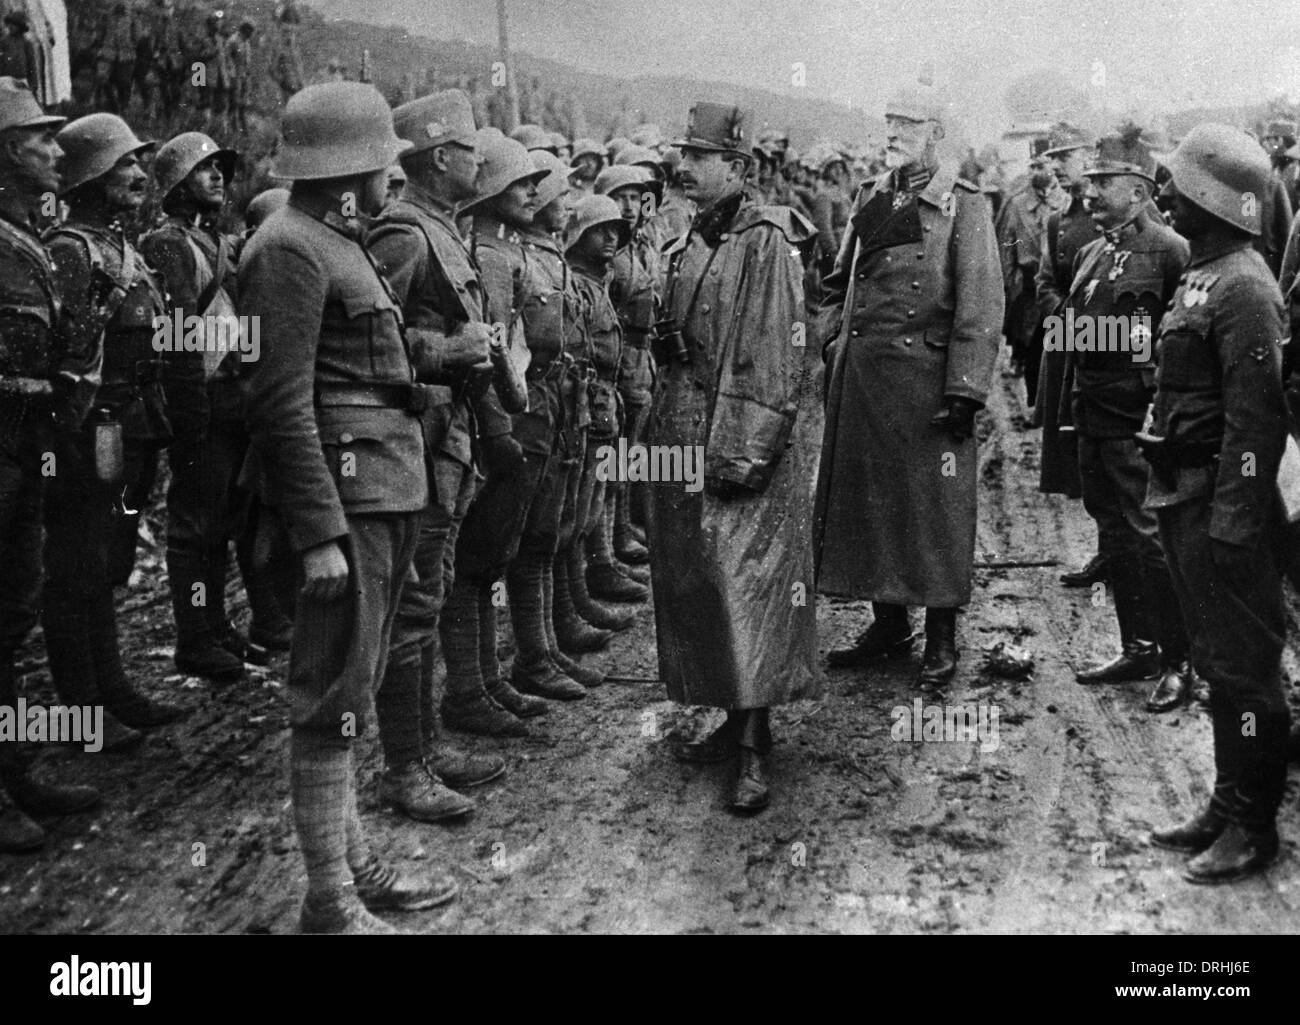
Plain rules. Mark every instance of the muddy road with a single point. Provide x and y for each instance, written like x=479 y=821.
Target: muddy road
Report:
x=596 y=828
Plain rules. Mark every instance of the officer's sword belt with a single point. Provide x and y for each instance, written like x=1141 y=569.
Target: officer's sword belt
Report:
x=410 y=398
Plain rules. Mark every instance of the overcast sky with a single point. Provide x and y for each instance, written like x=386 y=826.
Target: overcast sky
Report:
x=1131 y=56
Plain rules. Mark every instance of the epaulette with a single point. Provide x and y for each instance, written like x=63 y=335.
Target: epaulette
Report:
x=794 y=225
x=969 y=186
x=1196 y=289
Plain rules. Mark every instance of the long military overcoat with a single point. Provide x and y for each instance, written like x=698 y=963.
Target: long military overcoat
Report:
x=732 y=577
x=913 y=314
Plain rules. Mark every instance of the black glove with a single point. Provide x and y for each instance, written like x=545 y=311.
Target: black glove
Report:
x=957 y=417
x=501 y=454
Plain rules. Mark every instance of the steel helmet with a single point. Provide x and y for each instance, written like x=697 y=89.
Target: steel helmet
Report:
x=621 y=176
x=556 y=182
x=1224 y=172
x=640 y=156
x=92 y=146
x=181 y=155
x=650 y=136
x=505 y=162
x=336 y=130
x=532 y=137
x=616 y=145
x=591 y=211
x=588 y=148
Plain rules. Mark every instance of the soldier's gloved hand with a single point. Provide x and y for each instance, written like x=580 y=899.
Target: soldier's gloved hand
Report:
x=325 y=572
x=957 y=417
x=468 y=348
x=502 y=454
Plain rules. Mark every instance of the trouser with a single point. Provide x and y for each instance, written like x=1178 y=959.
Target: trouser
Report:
x=206 y=509
x=1113 y=475
x=22 y=490
x=1231 y=597
x=636 y=377
x=404 y=705
x=83 y=537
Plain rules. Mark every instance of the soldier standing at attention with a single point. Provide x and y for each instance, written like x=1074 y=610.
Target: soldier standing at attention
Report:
x=479 y=699
x=1215 y=442
x=198 y=266
x=428 y=263
x=1125 y=277
x=338 y=454
x=911 y=323
x=31 y=393
x=595 y=233
x=730 y=562
x=111 y=300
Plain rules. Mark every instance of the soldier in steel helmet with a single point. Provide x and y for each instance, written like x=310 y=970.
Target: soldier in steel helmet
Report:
x=428 y=264
x=634 y=289
x=595 y=233
x=479 y=698
x=33 y=390
x=198 y=265
x=338 y=457
x=1215 y=442
x=112 y=301
x=1126 y=277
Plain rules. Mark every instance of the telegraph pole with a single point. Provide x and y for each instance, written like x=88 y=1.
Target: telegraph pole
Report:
x=512 y=93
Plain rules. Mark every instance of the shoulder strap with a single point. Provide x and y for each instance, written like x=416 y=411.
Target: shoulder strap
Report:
x=218 y=275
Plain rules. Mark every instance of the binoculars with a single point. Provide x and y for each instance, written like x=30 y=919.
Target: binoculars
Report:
x=670 y=346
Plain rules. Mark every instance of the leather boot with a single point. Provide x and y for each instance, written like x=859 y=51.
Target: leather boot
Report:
x=198 y=652
x=1139 y=658
x=65 y=620
x=629 y=545
x=384 y=888
x=587 y=677
x=533 y=671
x=1202 y=829
x=467 y=706
x=573 y=634
x=523 y=706
x=889 y=636
x=940 y=660
x=752 y=793
x=1174 y=682
x=608 y=584
x=340 y=912
x=636 y=574
x=587 y=607
x=1092 y=572
x=452 y=764
x=18 y=832
x=629 y=551
x=1172 y=689
x=416 y=792
x=1249 y=842
x=120 y=696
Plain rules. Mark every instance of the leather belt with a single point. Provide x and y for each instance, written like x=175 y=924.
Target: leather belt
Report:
x=410 y=398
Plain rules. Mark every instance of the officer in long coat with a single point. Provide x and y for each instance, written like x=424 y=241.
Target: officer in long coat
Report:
x=731 y=563
x=1215 y=444
x=338 y=455
x=911 y=324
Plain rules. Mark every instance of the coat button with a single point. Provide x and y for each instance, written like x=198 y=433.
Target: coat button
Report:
x=916 y=286
x=925 y=227
x=907 y=341
x=704 y=308
x=921 y=255
x=911 y=313
x=346 y=439
x=855 y=334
